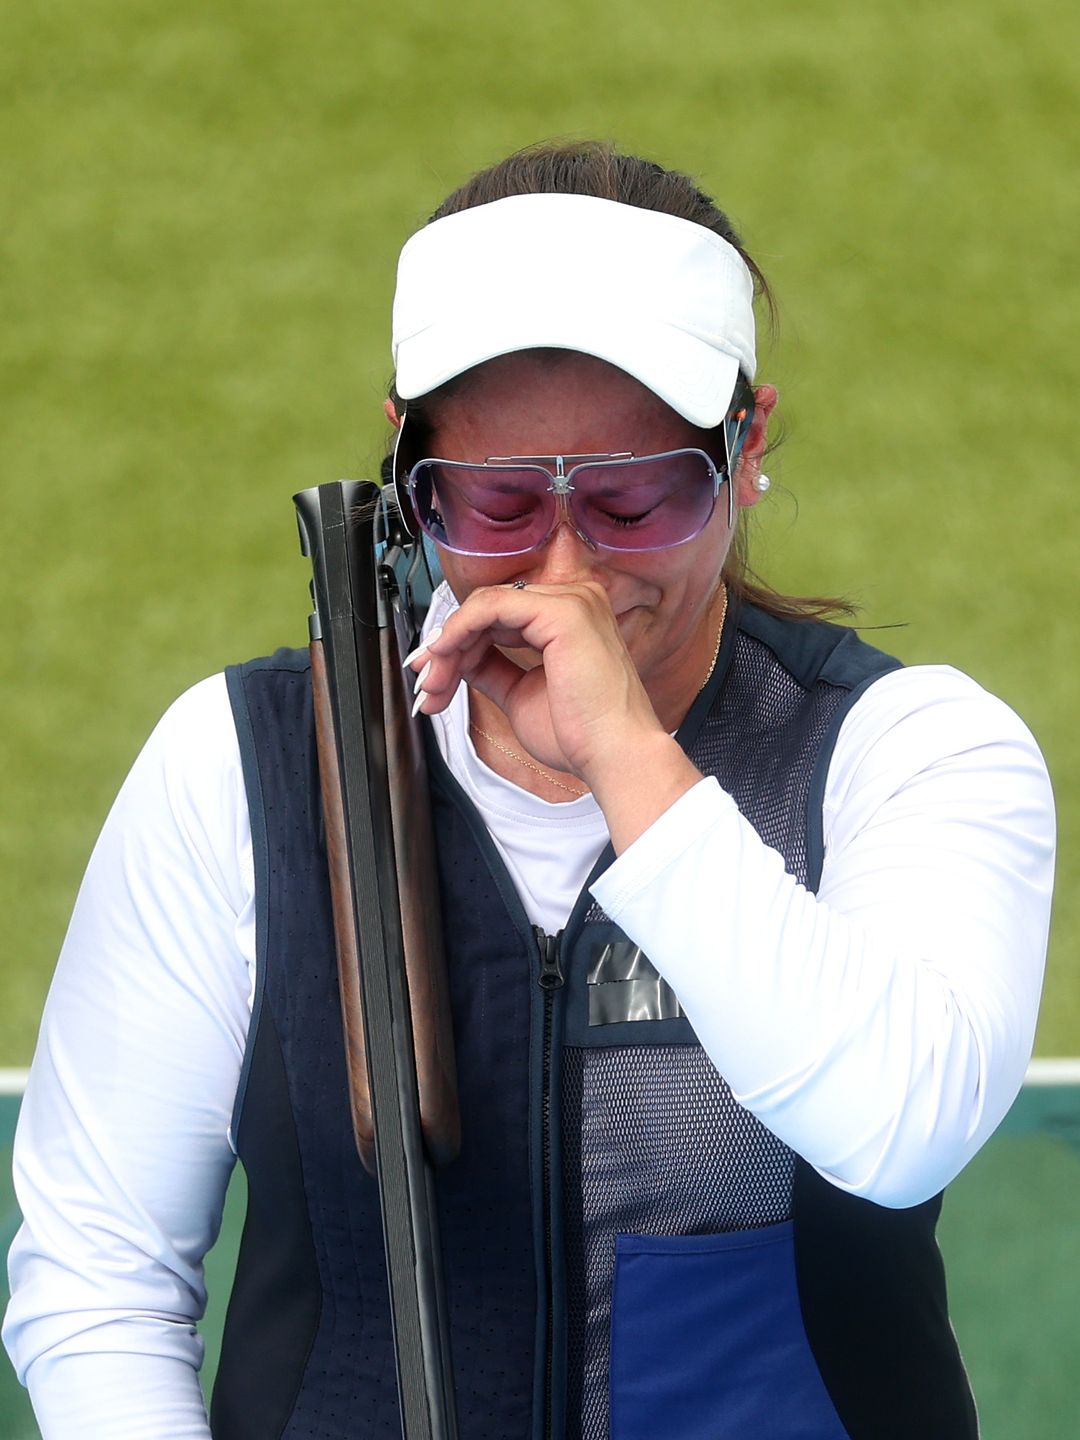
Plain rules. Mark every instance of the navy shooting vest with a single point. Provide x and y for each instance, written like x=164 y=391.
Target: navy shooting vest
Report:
x=630 y=1255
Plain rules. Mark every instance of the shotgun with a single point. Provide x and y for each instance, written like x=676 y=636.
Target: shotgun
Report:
x=387 y=930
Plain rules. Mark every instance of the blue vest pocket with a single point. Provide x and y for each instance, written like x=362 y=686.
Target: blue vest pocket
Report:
x=707 y=1341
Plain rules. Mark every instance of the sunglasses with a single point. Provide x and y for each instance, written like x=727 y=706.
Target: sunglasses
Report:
x=512 y=504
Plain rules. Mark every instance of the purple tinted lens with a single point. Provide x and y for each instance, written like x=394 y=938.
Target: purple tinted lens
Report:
x=483 y=509
x=646 y=503
x=649 y=503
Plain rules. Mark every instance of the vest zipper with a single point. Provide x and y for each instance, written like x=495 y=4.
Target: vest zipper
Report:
x=550 y=980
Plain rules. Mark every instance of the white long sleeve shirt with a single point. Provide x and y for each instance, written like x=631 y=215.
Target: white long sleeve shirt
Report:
x=881 y=1028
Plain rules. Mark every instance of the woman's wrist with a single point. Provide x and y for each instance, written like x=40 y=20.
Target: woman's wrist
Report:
x=635 y=784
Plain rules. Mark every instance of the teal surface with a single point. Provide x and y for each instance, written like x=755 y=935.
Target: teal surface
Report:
x=1011 y=1236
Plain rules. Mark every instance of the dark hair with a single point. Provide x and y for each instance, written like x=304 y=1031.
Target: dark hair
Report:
x=596 y=168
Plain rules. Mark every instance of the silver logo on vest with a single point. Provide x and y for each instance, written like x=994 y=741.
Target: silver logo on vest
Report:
x=625 y=985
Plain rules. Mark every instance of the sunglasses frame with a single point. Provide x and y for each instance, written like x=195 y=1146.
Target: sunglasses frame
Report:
x=734 y=429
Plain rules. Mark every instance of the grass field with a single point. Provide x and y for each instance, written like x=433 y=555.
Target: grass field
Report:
x=202 y=208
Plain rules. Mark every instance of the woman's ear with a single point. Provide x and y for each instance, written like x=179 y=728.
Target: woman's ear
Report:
x=748 y=470
x=390 y=413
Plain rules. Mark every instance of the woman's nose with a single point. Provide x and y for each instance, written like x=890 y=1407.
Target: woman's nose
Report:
x=565 y=557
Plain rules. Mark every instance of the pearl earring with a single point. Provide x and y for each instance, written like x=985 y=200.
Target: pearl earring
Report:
x=762 y=483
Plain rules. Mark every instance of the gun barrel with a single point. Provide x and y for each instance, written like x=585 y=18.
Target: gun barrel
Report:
x=363 y=755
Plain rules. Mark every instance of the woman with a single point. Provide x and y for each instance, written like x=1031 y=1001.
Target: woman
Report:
x=746 y=922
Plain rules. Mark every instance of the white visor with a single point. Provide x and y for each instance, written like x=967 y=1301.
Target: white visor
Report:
x=664 y=299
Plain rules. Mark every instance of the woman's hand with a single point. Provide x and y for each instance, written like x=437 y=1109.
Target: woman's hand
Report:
x=575 y=702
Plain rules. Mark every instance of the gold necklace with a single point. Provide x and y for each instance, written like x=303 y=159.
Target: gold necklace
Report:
x=521 y=760
x=719 y=637
x=544 y=774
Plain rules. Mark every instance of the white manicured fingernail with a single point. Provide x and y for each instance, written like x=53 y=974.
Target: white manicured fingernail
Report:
x=415 y=654
x=424 y=673
x=419 y=701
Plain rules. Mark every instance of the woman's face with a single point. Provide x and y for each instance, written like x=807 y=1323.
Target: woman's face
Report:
x=571 y=404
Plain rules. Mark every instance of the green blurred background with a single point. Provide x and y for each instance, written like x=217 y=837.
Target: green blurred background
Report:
x=202 y=207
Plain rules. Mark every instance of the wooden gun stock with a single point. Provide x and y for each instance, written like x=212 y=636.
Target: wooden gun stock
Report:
x=345 y=941
x=418 y=894
x=421 y=918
